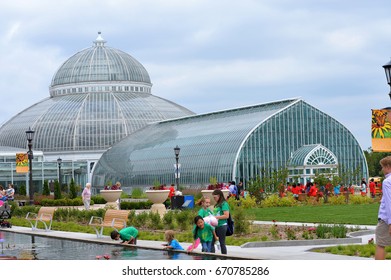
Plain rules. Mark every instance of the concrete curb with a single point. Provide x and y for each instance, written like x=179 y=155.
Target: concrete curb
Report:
x=335 y=241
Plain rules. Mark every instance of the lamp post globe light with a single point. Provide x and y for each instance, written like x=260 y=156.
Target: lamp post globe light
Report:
x=59 y=161
x=30 y=136
x=387 y=69
x=177 y=150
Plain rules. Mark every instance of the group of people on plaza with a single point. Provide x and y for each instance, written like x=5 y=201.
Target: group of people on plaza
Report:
x=209 y=230
x=312 y=190
x=236 y=191
x=8 y=194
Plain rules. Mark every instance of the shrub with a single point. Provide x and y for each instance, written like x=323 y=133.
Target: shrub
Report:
x=63 y=202
x=358 y=199
x=137 y=193
x=155 y=221
x=334 y=231
x=248 y=202
x=242 y=222
x=45 y=190
x=184 y=219
x=98 y=199
x=233 y=203
x=290 y=233
x=22 y=190
x=337 y=200
x=339 y=231
x=168 y=220
x=136 y=205
x=72 y=189
x=141 y=219
x=275 y=201
x=57 y=190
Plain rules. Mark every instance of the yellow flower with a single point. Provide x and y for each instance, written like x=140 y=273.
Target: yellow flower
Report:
x=380 y=124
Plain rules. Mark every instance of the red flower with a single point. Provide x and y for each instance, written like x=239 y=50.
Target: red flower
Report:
x=113 y=187
x=217 y=186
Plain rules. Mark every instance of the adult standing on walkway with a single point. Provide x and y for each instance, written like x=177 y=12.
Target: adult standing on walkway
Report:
x=86 y=196
x=383 y=228
x=221 y=212
x=372 y=188
x=364 y=187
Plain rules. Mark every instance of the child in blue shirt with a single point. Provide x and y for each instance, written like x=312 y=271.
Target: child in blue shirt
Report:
x=172 y=243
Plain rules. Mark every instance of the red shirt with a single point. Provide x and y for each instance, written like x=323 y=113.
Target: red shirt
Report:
x=372 y=187
x=296 y=190
x=312 y=192
x=172 y=192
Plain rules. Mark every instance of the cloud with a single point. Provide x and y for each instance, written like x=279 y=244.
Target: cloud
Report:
x=208 y=55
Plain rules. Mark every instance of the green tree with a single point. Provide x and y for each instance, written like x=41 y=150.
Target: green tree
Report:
x=320 y=180
x=57 y=190
x=22 y=190
x=45 y=190
x=267 y=182
x=373 y=159
x=72 y=189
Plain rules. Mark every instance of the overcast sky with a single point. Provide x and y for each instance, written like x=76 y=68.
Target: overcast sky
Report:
x=211 y=55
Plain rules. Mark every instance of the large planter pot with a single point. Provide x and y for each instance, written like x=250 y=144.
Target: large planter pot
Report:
x=157 y=197
x=209 y=194
x=111 y=197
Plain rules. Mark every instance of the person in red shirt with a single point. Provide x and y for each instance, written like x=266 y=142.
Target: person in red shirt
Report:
x=295 y=191
x=172 y=191
x=372 y=188
x=313 y=190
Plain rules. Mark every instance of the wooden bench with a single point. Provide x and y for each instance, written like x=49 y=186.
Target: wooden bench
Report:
x=44 y=215
x=116 y=219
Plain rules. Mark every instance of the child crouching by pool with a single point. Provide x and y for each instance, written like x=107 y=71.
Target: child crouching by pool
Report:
x=172 y=243
x=128 y=235
x=205 y=232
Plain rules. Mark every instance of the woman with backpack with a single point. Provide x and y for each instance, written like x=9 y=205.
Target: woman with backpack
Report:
x=221 y=213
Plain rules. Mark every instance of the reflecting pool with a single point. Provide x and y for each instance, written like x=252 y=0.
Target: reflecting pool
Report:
x=24 y=246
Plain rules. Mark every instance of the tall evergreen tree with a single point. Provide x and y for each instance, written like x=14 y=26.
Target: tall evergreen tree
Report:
x=57 y=190
x=45 y=190
x=72 y=189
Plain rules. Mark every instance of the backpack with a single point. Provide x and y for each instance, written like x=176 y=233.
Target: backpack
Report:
x=230 y=226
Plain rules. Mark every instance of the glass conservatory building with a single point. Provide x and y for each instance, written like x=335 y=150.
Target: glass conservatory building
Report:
x=235 y=144
x=97 y=97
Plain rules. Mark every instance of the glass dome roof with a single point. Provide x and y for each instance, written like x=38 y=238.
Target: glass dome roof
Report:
x=100 y=63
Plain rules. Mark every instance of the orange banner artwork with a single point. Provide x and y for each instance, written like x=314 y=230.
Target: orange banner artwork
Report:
x=22 y=163
x=381 y=130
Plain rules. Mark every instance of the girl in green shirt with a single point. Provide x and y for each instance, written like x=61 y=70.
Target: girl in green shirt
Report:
x=205 y=232
x=221 y=212
x=204 y=202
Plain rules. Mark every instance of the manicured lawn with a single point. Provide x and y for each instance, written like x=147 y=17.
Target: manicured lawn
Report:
x=360 y=214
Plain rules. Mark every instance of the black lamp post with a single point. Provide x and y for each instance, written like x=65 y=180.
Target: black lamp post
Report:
x=59 y=161
x=177 y=150
x=30 y=136
x=387 y=69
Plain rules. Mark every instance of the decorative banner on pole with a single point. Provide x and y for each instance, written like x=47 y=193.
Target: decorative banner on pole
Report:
x=177 y=171
x=381 y=130
x=22 y=163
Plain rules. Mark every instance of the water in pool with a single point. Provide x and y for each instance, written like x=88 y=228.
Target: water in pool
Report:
x=23 y=246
